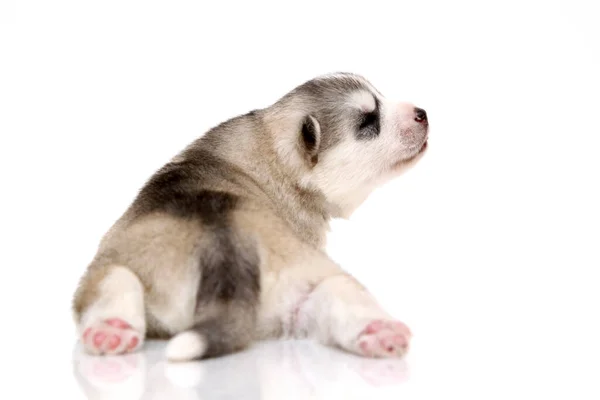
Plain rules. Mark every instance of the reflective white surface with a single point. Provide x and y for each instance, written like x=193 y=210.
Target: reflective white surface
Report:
x=501 y=366
x=484 y=359
x=269 y=370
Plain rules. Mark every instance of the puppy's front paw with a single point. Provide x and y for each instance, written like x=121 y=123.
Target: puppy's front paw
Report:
x=382 y=338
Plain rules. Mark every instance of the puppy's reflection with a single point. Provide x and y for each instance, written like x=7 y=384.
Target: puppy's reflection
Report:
x=268 y=370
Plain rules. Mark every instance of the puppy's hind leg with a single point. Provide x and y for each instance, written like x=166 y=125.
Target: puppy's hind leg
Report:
x=109 y=307
x=340 y=311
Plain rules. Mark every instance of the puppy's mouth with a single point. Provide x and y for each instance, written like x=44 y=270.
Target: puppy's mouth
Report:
x=417 y=151
x=420 y=149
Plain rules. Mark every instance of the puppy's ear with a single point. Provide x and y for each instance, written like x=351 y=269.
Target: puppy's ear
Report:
x=310 y=139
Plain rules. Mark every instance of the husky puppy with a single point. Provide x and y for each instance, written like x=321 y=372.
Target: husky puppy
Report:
x=224 y=245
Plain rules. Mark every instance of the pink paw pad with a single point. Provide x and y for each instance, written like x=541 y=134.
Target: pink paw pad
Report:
x=111 y=336
x=384 y=339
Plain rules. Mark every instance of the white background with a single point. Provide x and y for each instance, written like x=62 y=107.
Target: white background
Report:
x=488 y=249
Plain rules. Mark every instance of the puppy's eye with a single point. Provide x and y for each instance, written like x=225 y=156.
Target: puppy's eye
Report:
x=368 y=119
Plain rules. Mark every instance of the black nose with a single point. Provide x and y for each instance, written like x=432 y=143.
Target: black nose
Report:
x=420 y=115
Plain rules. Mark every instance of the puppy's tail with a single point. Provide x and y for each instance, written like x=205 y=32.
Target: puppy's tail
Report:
x=227 y=302
x=210 y=338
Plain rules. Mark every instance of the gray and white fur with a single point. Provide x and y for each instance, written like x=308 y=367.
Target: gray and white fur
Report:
x=224 y=245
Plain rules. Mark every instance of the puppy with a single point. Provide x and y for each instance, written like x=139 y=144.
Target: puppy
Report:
x=224 y=245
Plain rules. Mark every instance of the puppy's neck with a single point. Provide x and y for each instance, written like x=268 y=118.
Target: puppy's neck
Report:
x=249 y=146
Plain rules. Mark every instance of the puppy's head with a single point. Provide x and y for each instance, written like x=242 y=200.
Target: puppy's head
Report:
x=345 y=138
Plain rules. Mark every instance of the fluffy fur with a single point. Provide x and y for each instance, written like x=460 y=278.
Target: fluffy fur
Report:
x=224 y=245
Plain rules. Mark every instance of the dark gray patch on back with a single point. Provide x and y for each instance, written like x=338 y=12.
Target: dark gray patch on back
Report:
x=177 y=188
x=229 y=263
x=230 y=270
